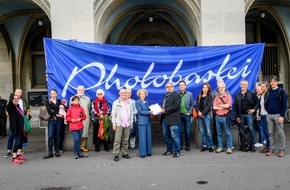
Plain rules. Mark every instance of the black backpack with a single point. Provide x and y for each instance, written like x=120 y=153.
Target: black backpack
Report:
x=245 y=139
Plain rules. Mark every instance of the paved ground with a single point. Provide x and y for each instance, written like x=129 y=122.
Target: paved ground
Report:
x=238 y=171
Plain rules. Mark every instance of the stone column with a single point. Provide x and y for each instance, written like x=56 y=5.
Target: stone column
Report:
x=222 y=22
x=72 y=19
x=6 y=84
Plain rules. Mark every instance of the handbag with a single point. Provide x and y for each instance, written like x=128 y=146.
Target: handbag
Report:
x=43 y=114
x=231 y=118
x=27 y=126
x=194 y=113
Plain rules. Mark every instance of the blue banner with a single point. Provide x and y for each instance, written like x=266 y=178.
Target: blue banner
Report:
x=112 y=67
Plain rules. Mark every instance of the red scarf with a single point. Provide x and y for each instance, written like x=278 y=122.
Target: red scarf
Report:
x=103 y=103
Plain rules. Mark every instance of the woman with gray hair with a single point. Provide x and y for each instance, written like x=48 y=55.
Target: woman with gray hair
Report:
x=100 y=111
x=144 y=124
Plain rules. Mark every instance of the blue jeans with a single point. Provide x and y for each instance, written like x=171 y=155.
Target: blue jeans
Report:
x=61 y=133
x=172 y=137
x=54 y=132
x=185 y=124
x=265 y=130
x=77 y=136
x=18 y=141
x=133 y=131
x=248 y=119
x=258 y=128
x=205 y=130
x=221 y=124
x=10 y=140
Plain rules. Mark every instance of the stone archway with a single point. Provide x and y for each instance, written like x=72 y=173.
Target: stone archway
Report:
x=44 y=5
x=5 y=64
x=275 y=20
x=183 y=18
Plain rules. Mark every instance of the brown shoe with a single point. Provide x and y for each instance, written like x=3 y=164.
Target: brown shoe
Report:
x=83 y=149
x=281 y=153
x=265 y=150
x=270 y=153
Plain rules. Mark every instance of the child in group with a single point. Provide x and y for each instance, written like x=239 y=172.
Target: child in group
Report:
x=63 y=113
x=75 y=117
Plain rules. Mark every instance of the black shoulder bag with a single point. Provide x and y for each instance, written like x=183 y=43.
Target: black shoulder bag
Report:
x=231 y=117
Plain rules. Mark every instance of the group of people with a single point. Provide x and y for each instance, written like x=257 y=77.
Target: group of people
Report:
x=262 y=111
x=117 y=121
x=75 y=115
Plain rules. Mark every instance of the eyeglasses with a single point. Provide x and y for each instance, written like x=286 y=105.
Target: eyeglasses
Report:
x=100 y=94
x=168 y=86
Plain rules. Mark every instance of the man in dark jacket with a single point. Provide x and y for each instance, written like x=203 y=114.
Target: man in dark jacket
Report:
x=3 y=117
x=245 y=105
x=276 y=105
x=171 y=120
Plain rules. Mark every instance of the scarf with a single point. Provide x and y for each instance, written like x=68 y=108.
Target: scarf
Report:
x=103 y=105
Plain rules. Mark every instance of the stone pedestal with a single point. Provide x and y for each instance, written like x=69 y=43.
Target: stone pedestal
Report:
x=235 y=135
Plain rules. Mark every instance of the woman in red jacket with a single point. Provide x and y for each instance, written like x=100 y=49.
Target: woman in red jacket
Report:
x=75 y=117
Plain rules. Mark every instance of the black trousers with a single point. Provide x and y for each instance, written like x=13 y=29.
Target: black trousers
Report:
x=3 y=121
x=214 y=131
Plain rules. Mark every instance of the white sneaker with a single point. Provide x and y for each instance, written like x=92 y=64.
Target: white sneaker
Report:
x=264 y=142
x=258 y=145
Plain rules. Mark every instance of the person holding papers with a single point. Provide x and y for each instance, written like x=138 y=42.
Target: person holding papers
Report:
x=144 y=124
x=171 y=120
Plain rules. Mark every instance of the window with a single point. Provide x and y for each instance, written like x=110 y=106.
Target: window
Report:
x=38 y=70
x=38 y=61
x=259 y=32
x=270 y=62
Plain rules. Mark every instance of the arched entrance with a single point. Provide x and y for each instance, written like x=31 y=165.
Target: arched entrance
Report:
x=149 y=23
x=137 y=22
x=23 y=24
x=22 y=21
x=265 y=22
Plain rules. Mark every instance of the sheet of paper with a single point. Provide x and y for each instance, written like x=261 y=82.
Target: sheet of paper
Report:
x=155 y=108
